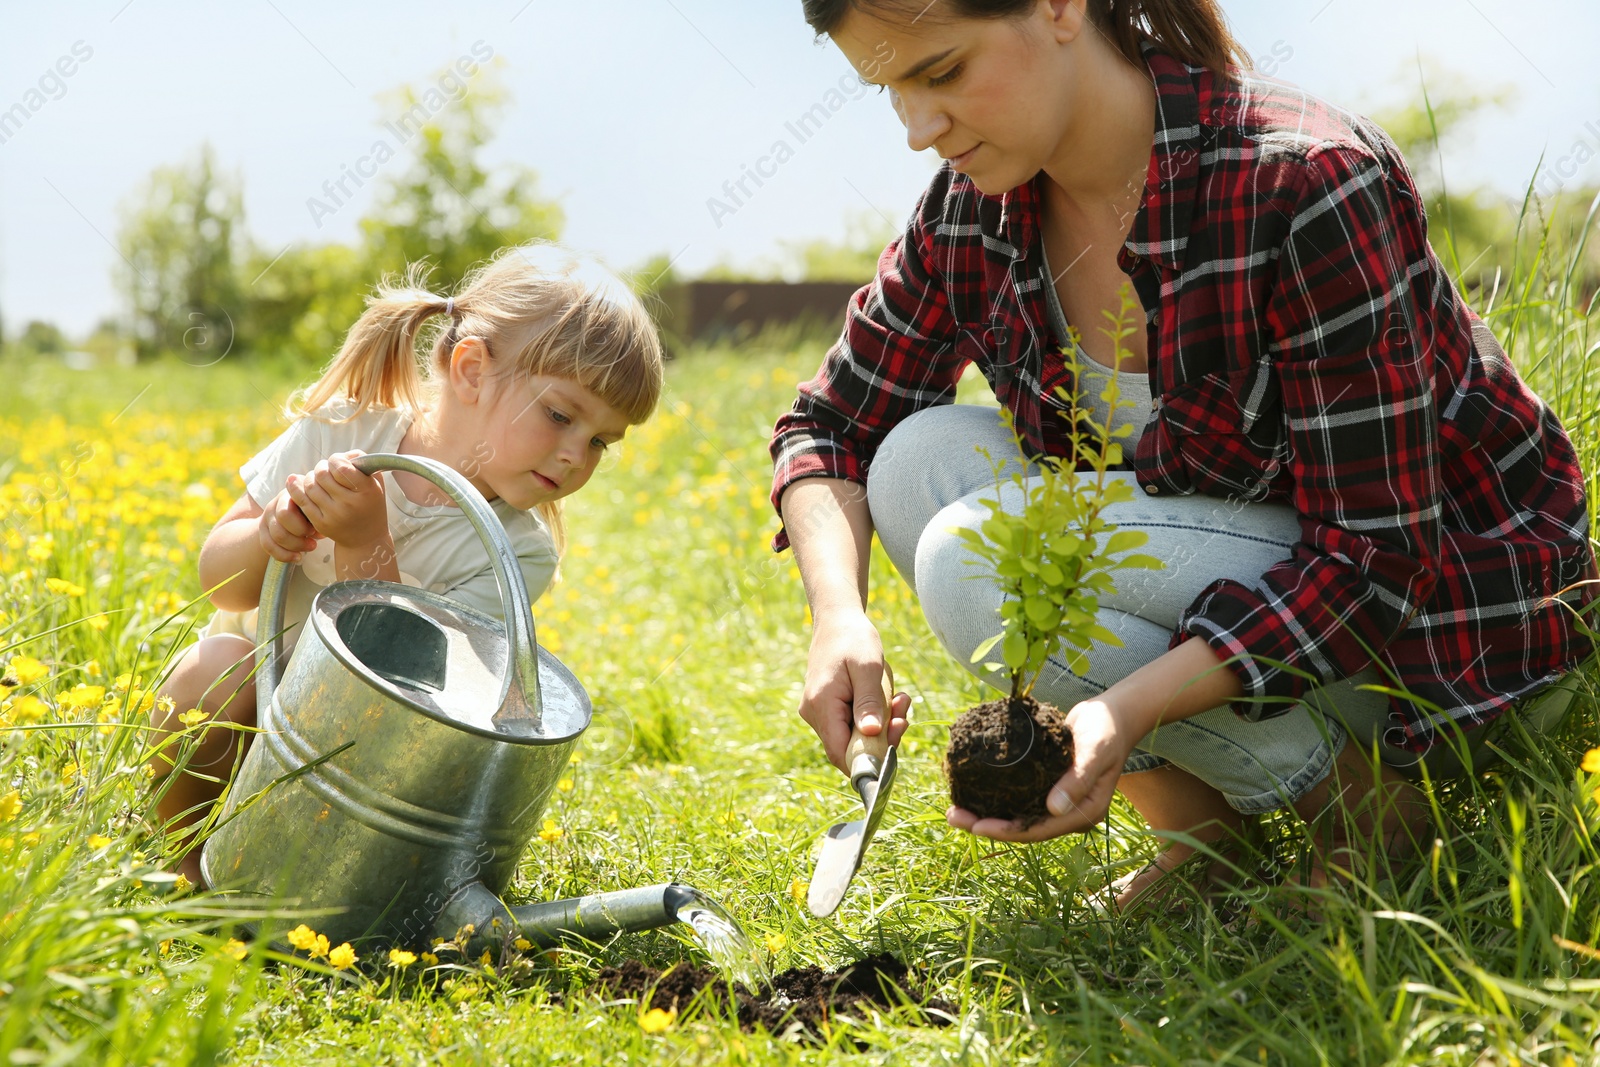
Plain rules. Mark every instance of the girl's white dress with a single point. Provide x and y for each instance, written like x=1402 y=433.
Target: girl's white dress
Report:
x=435 y=545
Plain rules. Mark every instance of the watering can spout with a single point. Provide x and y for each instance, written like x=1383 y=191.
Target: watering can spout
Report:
x=594 y=916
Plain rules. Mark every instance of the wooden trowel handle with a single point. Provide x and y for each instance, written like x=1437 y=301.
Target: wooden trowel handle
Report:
x=865 y=755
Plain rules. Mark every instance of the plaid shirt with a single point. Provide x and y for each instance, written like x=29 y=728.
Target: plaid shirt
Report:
x=1307 y=347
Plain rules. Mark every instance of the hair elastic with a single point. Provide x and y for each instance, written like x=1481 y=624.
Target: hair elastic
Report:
x=450 y=306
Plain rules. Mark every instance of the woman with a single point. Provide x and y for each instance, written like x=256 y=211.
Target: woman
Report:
x=1347 y=480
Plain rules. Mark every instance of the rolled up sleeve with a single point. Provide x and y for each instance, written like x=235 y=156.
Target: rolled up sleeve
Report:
x=1354 y=370
x=895 y=356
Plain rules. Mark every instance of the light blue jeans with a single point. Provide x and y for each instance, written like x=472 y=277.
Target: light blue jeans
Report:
x=927 y=478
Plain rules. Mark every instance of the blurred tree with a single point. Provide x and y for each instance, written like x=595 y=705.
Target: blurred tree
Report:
x=853 y=259
x=39 y=339
x=822 y=259
x=182 y=238
x=448 y=208
x=109 y=342
x=302 y=302
x=1472 y=230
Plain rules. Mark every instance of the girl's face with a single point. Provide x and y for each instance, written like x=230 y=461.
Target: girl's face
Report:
x=543 y=438
x=995 y=96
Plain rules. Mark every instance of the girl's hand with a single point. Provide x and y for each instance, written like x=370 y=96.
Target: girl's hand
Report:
x=341 y=502
x=284 y=530
x=1082 y=798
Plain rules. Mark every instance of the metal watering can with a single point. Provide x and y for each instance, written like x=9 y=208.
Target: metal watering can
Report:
x=405 y=758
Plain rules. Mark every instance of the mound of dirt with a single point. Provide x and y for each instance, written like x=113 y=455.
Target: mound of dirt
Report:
x=1004 y=756
x=803 y=998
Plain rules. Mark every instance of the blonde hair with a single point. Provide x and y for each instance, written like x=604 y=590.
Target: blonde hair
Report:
x=540 y=309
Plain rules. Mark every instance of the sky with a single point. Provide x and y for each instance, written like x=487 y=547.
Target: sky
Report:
x=633 y=112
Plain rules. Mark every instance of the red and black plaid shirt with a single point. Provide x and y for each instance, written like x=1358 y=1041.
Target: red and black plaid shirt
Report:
x=1306 y=346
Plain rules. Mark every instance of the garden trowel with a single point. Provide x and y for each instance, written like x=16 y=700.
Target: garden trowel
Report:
x=872 y=762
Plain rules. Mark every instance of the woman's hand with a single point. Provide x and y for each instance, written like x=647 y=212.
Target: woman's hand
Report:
x=342 y=503
x=1102 y=741
x=844 y=685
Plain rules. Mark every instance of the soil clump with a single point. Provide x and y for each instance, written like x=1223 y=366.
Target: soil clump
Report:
x=803 y=999
x=1004 y=756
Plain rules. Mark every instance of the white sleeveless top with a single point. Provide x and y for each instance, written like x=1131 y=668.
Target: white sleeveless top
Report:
x=1133 y=385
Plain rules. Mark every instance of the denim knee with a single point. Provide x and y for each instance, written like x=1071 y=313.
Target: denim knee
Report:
x=928 y=461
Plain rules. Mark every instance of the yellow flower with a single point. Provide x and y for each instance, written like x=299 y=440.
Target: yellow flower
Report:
x=98 y=840
x=68 y=773
x=320 y=948
x=165 y=946
x=192 y=716
x=776 y=942
x=29 y=709
x=62 y=586
x=1591 y=761
x=182 y=885
x=656 y=1021
x=429 y=958
x=551 y=832
x=399 y=957
x=798 y=888
x=27 y=670
x=92 y=667
x=81 y=696
x=235 y=948
x=522 y=944
x=303 y=938
x=41 y=548
x=10 y=804
x=127 y=681
x=565 y=785
x=97 y=623
x=342 y=957
x=30 y=839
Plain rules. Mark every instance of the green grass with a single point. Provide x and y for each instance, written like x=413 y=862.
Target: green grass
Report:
x=692 y=637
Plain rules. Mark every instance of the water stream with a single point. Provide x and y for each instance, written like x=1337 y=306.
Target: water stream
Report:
x=724 y=940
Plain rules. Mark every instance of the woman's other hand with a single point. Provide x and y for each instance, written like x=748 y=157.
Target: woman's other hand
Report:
x=844 y=686
x=1101 y=743
x=342 y=503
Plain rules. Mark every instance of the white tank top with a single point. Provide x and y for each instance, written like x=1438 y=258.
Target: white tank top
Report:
x=1133 y=385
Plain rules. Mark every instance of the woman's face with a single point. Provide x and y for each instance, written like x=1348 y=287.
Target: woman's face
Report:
x=995 y=96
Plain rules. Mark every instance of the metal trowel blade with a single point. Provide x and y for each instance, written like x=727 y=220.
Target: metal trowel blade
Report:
x=845 y=843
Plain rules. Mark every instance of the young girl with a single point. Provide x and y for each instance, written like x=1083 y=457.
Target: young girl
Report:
x=1349 y=483
x=539 y=365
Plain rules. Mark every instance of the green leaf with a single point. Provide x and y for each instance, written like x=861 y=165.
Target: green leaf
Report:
x=1140 y=560
x=983 y=649
x=1065 y=543
x=1123 y=540
x=1014 y=650
x=1043 y=614
x=1100 y=633
x=998 y=531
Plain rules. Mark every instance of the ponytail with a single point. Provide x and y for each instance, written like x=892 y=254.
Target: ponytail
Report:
x=1193 y=31
x=377 y=364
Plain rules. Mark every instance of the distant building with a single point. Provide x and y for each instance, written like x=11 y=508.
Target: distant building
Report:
x=717 y=310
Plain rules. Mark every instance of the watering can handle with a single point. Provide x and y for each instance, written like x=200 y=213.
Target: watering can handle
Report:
x=522 y=665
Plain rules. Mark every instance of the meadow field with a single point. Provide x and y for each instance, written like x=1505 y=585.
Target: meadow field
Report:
x=691 y=636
